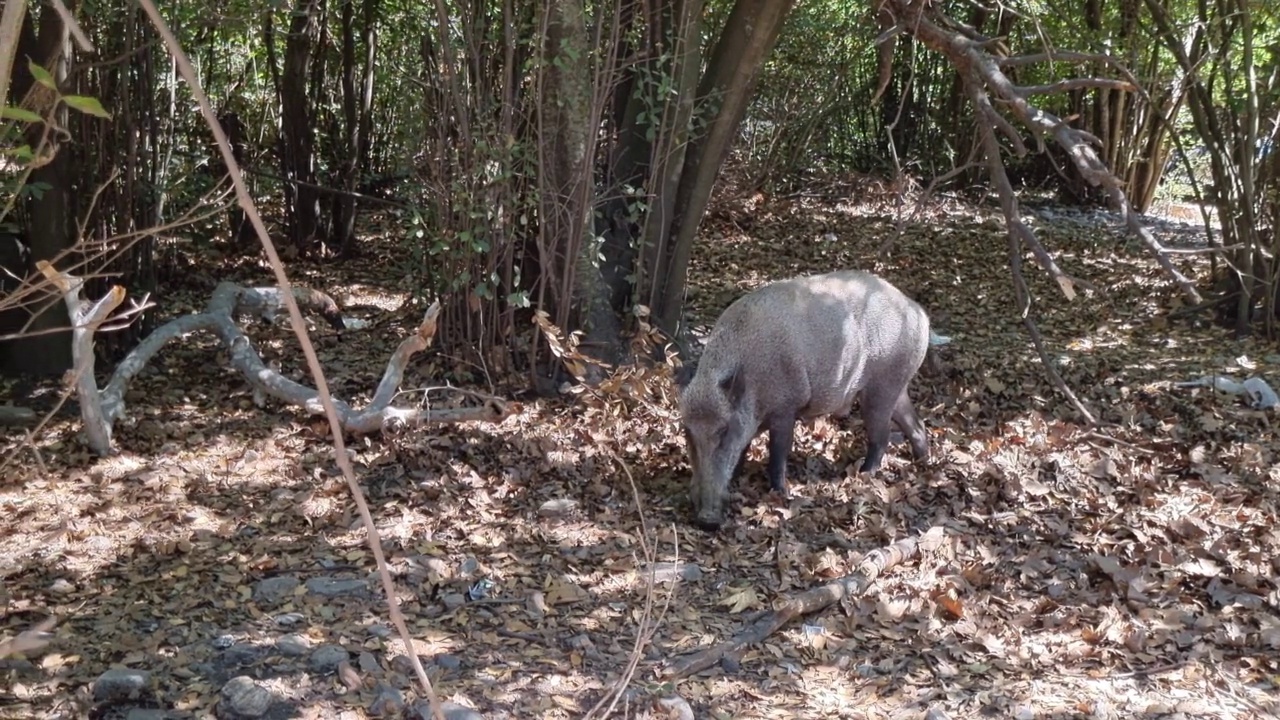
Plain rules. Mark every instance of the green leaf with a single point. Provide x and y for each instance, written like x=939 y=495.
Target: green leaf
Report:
x=41 y=75
x=87 y=105
x=21 y=114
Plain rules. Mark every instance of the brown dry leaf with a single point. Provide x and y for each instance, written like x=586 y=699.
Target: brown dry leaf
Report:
x=740 y=600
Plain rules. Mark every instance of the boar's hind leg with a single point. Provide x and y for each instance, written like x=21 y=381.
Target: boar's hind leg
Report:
x=781 y=433
x=878 y=406
x=904 y=416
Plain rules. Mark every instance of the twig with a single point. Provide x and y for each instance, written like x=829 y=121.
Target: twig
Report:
x=1116 y=441
x=645 y=631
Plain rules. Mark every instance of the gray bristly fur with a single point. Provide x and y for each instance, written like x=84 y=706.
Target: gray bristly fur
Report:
x=794 y=350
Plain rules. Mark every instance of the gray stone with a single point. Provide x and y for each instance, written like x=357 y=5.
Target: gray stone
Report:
x=293 y=645
x=369 y=664
x=445 y=661
x=243 y=654
x=558 y=507
x=421 y=710
x=119 y=684
x=326 y=657
x=453 y=601
x=275 y=590
x=665 y=572
x=387 y=701
x=335 y=587
x=241 y=697
x=289 y=619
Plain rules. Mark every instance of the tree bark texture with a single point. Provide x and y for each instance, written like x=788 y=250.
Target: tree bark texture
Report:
x=749 y=35
x=51 y=214
x=297 y=126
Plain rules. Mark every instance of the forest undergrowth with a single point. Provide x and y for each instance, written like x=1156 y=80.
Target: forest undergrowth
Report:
x=1128 y=571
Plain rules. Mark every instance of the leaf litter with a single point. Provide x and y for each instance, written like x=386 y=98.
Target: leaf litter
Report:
x=1128 y=571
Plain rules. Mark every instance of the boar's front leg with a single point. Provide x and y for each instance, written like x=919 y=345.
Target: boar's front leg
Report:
x=781 y=434
x=742 y=460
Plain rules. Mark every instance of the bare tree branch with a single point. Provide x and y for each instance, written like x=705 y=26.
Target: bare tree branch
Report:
x=983 y=71
x=1076 y=84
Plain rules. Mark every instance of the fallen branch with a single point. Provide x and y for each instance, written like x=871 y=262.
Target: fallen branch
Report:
x=810 y=601
x=100 y=410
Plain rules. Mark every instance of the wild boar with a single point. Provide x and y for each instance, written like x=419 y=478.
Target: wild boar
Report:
x=793 y=350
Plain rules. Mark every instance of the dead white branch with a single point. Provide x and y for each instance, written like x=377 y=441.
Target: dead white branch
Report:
x=100 y=410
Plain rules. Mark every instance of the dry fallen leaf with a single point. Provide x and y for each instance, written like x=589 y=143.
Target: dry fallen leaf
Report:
x=740 y=600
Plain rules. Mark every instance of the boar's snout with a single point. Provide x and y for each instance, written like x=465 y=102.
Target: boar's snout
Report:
x=708 y=508
x=710 y=524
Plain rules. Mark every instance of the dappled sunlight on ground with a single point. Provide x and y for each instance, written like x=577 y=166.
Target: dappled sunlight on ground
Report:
x=1129 y=570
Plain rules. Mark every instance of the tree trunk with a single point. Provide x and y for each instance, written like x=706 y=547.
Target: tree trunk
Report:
x=242 y=235
x=668 y=157
x=364 y=146
x=749 y=34
x=570 y=276
x=344 y=215
x=51 y=214
x=302 y=202
x=649 y=148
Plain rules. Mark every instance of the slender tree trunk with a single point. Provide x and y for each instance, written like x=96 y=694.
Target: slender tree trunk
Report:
x=344 y=216
x=242 y=235
x=297 y=127
x=667 y=157
x=565 y=135
x=749 y=35
x=365 y=143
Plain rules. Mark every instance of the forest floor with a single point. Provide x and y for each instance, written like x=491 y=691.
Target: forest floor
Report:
x=1129 y=572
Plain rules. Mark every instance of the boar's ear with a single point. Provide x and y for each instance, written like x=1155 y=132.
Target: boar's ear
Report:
x=684 y=374
x=734 y=385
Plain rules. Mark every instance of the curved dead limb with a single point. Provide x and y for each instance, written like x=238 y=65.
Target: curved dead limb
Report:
x=101 y=409
x=810 y=601
x=86 y=317
x=268 y=303
x=982 y=73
